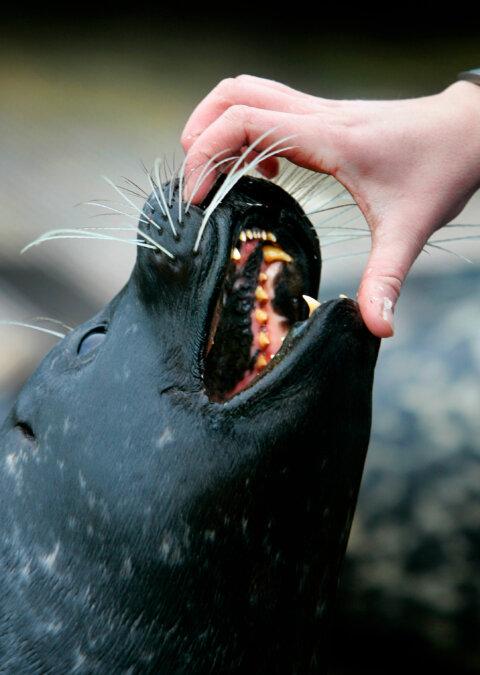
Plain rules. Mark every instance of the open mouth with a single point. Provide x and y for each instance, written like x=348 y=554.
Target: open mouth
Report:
x=269 y=272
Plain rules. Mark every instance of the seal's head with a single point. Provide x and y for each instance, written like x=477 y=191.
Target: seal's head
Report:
x=179 y=475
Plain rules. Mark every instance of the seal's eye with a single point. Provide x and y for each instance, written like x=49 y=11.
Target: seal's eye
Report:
x=91 y=340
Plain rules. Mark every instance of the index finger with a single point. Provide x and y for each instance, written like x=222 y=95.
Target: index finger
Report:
x=244 y=90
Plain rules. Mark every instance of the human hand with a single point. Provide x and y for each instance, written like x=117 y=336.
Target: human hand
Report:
x=411 y=165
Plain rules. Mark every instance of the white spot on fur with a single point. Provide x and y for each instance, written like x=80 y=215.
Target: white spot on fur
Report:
x=80 y=659
x=126 y=570
x=66 y=425
x=12 y=461
x=166 y=437
x=48 y=561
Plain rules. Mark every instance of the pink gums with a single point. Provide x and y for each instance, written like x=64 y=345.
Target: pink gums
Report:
x=275 y=327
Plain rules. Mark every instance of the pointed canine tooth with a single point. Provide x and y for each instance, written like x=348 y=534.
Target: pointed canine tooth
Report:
x=345 y=297
x=261 y=294
x=271 y=237
x=235 y=254
x=242 y=236
x=261 y=362
x=263 y=340
x=262 y=277
x=261 y=316
x=249 y=234
x=272 y=253
x=312 y=304
x=263 y=235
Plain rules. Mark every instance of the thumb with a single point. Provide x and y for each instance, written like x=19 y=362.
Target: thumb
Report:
x=390 y=260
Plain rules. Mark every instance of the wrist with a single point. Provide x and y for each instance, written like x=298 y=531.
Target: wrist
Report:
x=464 y=98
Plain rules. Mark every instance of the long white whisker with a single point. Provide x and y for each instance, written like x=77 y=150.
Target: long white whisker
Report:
x=162 y=196
x=332 y=199
x=78 y=234
x=154 y=190
x=343 y=240
x=141 y=211
x=118 y=211
x=203 y=174
x=345 y=255
x=443 y=241
x=447 y=250
x=7 y=322
x=181 y=177
x=235 y=176
x=50 y=320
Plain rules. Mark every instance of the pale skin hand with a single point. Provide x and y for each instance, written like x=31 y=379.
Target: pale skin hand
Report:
x=411 y=165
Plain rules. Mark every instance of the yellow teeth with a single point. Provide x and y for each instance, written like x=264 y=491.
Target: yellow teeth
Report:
x=263 y=340
x=261 y=362
x=262 y=277
x=273 y=253
x=260 y=294
x=235 y=254
x=261 y=316
x=256 y=234
x=312 y=304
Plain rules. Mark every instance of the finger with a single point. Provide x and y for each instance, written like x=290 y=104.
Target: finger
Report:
x=390 y=260
x=238 y=127
x=244 y=90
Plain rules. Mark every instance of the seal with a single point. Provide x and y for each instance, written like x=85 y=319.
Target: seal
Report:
x=180 y=473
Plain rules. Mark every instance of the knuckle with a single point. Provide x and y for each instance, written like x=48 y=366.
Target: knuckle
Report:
x=243 y=79
x=236 y=113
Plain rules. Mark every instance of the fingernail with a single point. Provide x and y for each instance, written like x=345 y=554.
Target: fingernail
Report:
x=387 y=312
x=384 y=307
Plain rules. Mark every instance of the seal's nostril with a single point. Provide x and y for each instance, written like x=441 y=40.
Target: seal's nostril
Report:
x=26 y=430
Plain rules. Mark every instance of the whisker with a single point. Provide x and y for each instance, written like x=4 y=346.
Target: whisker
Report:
x=447 y=250
x=50 y=320
x=236 y=173
x=443 y=241
x=171 y=186
x=162 y=196
x=181 y=177
x=8 y=322
x=154 y=190
x=331 y=208
x=122 y=213
x=79 y=234
x=143 y=194
x=345 y=255
x=344 y=240
x=150 y=220
x=203 y=174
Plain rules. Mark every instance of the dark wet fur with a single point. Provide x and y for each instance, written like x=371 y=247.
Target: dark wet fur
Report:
x=145 y=528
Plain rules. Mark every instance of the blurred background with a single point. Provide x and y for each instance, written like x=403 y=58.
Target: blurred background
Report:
x=103 y=92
